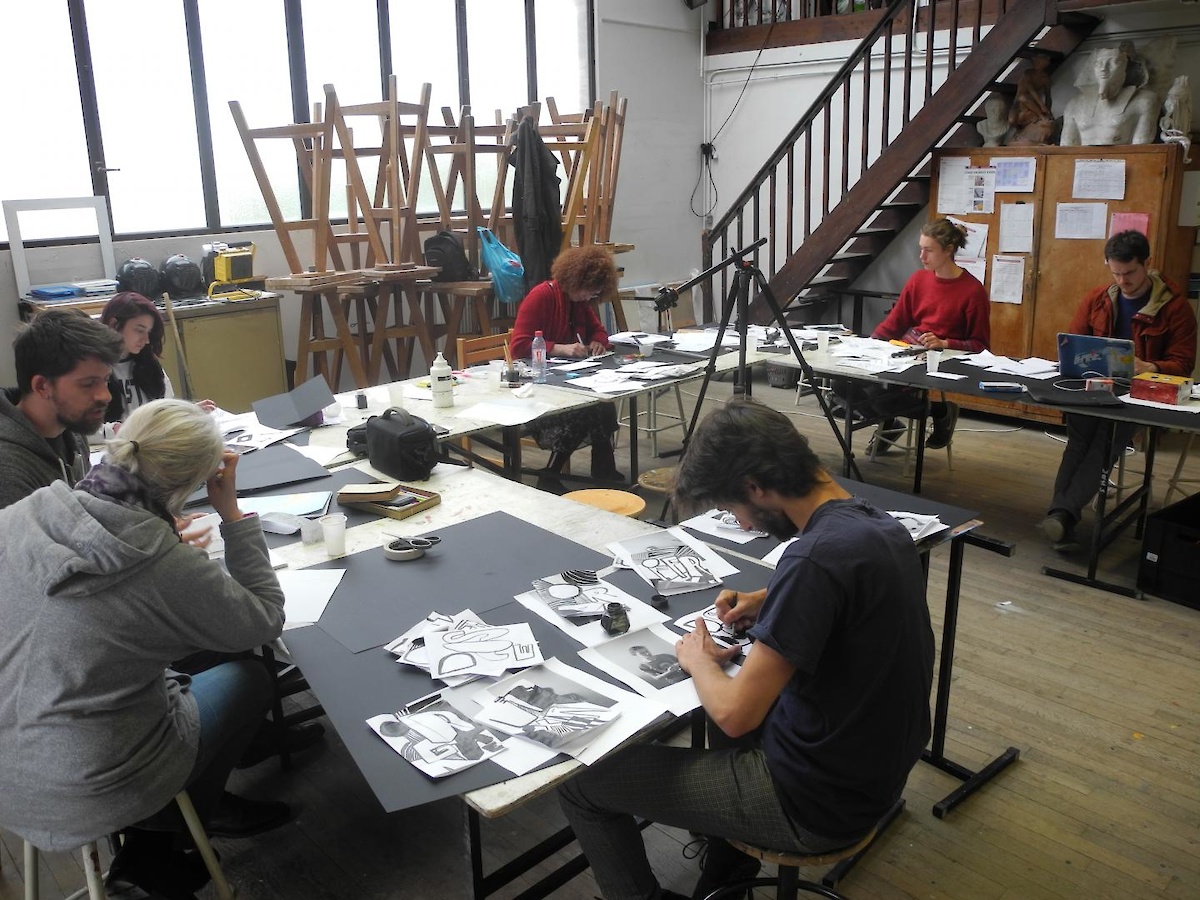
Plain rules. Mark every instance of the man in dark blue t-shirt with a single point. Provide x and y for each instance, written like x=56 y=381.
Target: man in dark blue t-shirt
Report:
x=831 y=708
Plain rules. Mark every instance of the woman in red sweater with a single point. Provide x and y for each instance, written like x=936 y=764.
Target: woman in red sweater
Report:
x=942 y=307
x=561 y=309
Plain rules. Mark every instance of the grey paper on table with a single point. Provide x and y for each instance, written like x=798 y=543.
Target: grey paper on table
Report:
x=480 y=564
x=296 y=405
x=269 y=467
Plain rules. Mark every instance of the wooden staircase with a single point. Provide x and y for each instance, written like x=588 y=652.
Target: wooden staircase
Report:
x=843 y=183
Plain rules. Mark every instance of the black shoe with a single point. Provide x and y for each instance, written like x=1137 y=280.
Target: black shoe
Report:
x=551 y=484
x=266 y=742
x=147 y=860
x=721 y=864
x=1059 y=529
x=239 y=817
x=943 y=428
x=613 y=477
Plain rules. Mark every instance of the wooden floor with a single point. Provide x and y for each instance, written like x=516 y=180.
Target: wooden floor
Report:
x=1100 y=693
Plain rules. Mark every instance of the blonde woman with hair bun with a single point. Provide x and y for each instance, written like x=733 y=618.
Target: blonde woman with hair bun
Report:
x=101 y=596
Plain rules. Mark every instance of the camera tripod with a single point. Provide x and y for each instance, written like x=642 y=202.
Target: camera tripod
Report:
x=745 y=274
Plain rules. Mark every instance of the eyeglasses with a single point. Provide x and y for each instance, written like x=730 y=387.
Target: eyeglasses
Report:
x=596 y=295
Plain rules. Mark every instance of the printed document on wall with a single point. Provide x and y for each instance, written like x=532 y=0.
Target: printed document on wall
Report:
x=1008 y=279
x=981 y=184
x=1016 y=228
x=1080 y=221
x=953 y=196
x=1099 y=179
x=977 y=236
x=1014 y=174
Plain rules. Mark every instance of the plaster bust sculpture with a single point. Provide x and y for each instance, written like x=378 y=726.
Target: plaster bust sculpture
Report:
x=994 y=128
x=1110 y=111
x=1030 y=116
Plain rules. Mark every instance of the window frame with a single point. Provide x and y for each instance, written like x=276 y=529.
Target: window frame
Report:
x=294 y=28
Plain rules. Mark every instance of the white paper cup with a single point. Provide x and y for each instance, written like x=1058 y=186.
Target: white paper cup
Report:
x=646 y=349
x=396 y=395
x=333 y=529
x=822 y=341
x=933 y=359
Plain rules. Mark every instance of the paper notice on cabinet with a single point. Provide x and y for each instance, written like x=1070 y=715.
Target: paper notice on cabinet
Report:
x=1189 y=200
x=1080 y=221
x=1099 y=179
x=1129 y=221
x=977 y=236
x=1014 y=174
x=977 y=267
x=1008 y=279
x=953 y=195
x=1016 y=228
x=981 y=182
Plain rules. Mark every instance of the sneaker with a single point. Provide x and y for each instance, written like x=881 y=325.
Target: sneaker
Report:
x=1059 y=529
x=943 y=428
x=239 y=817
x=265 y=742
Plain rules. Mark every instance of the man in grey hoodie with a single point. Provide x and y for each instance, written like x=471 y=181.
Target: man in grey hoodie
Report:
x=63 y=360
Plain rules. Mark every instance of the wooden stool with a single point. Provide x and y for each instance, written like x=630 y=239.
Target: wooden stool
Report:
x=91 y=859
x=659 y=481
x=788 y=883
x=620 y=502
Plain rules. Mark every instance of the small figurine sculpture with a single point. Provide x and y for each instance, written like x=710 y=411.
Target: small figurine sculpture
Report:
x=994 y=128
x=1175 y=126
x=1030 y=116
x=1110 y=111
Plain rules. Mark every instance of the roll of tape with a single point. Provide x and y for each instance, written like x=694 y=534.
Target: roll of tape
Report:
x=402 y=551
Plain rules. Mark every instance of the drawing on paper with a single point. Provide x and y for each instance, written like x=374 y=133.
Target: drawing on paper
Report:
x=673 y=568
x=546 y=714
x=481 y=650
x=577 y=593
x=437 y=739
x=721 y=633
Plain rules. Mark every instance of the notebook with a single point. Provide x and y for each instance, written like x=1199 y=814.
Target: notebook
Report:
x=1091 y=356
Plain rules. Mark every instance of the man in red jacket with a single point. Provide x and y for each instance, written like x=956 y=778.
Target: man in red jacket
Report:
x=1144 y=307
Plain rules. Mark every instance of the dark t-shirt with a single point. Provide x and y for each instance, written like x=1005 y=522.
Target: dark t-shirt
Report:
x=846 y=606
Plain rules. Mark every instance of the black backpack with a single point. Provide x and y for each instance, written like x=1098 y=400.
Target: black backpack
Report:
x=397 y=443
x=445 y=250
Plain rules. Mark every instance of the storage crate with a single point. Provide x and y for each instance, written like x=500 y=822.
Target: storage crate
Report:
x=1170 y=561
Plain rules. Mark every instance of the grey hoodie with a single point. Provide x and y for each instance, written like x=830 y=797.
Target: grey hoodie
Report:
x=29 y=461
x=98 y=598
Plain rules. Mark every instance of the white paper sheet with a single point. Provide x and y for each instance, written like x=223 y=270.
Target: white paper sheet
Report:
x=1099 y=179
x=953 y=196
x=1008 y=279
x=772 y=558
x=1080 y=221
x=504 y=411
x=590 y=633
x=322 y=456
x=1014 y=174
x=489 y=650
x=714 y=522
x=1016 y=228
x=645 y=660
x=577 y=366
x=306 y=594
x=302 y=504
x=673 y=561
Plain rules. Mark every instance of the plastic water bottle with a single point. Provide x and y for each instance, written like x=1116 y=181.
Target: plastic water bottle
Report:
x=441 y=382
x=539 y=358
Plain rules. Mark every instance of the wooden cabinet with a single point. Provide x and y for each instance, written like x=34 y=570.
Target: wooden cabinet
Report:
x=1059 y=272
x=234 y=352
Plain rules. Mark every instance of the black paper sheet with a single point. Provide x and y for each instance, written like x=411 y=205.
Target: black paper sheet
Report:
x=269 y=467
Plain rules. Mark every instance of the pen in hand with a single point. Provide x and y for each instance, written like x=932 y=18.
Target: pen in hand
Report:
x=579 y=341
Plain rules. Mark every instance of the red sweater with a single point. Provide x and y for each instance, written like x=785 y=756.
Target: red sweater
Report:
x=1164 y=329
x=547 y=309
x=954 y=309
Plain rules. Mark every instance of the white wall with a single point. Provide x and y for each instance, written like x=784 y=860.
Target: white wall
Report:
x=651 y=52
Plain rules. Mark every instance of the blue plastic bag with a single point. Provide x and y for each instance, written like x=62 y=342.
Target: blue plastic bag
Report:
x=508 y=274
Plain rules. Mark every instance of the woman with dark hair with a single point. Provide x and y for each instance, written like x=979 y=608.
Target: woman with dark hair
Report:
x=561 y=309
x=138 y=377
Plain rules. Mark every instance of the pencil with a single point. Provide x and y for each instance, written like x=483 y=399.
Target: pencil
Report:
x=507 y=355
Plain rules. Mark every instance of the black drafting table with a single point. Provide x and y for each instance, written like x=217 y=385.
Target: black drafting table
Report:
x=480 y=564
x=1109 y=523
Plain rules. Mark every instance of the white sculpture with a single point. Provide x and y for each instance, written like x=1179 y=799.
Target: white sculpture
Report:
x=1175 y=127
x=994 y=128
x=1110 y=111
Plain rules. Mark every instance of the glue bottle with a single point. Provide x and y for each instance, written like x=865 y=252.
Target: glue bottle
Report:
x=538 y=351
x=441 y=382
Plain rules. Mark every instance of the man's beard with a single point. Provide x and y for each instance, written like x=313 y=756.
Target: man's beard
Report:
x=774 y=523
x=84 y=426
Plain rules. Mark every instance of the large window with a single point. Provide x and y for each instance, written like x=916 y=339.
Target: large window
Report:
x=144 y=120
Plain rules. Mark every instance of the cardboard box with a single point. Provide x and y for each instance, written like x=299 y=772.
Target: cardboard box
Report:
x=1160 y=388
x=1170 y=562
